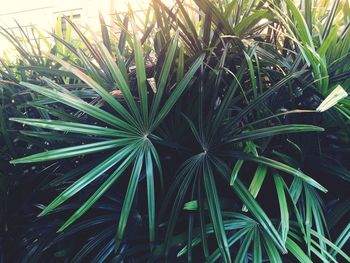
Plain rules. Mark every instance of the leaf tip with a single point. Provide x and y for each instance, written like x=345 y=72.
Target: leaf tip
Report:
x=42 y=213
x=63 y=227
x=332 y=99
x=15 y=161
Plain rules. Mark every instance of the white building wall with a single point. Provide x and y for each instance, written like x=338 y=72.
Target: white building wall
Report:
x=44 y=13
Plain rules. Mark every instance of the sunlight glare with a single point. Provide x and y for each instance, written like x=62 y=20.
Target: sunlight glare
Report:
x=43 y=13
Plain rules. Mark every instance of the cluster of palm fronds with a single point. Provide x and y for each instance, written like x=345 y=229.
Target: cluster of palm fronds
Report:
x=216 y=131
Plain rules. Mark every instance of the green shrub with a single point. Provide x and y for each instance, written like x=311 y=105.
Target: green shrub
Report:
x=208 y=130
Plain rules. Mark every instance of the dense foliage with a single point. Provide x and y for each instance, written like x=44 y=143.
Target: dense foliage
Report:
x=196 y=136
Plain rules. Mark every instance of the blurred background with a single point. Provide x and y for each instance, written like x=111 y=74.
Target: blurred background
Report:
x=43 y=14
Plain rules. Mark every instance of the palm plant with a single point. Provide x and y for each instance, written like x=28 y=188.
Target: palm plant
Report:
x=220 y=115
x=132 y=132
x=320 y=34
x=35 y=239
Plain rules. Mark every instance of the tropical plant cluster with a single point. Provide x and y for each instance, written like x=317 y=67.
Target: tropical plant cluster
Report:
x=215 y=131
